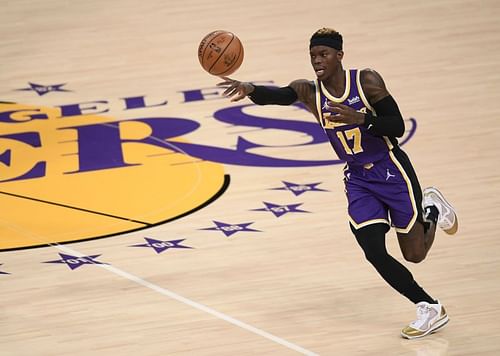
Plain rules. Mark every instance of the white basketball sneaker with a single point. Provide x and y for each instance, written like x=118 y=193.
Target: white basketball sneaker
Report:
x=447 y=219
x=430 y=318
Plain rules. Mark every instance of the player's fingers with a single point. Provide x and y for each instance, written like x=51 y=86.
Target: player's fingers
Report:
x=226 y=81
x=329 y=105
x=240 y=96
x=338 y=118
x=230 y=92
x=237 y=98
x=336 y=106
x=334 y=109
x=333 y=103
x=234 y=83
x=231 y=88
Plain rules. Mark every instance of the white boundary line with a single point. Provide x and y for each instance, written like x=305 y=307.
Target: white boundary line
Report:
x=175 y=296
x=192 y=303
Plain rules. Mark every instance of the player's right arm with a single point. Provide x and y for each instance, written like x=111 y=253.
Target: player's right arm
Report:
x=301 y=90
x=235 y=89
x=306 y=94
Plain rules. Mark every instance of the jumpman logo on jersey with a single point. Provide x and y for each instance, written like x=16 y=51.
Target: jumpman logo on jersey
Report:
x=389 y=175
x=325 y=104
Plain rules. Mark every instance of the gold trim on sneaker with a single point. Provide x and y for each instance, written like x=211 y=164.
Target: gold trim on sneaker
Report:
x=412 y=333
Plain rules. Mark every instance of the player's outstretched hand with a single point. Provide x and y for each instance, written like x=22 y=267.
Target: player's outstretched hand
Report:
x=235 y=89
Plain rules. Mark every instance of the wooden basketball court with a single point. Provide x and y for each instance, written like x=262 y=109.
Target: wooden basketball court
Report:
x=144 y=214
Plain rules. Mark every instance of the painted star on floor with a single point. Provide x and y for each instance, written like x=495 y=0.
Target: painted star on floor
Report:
x=298 y=189
x=159 y=246
x=230 y=229
x=3 y=272
x=43 y=89
x=74 y=262
x=280 y=210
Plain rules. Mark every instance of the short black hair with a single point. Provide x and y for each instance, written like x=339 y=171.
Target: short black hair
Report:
x=327 y=35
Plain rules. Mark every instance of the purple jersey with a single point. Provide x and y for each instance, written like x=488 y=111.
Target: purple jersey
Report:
x=352 y=143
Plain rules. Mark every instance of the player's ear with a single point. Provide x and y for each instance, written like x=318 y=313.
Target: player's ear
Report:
x=340 y=55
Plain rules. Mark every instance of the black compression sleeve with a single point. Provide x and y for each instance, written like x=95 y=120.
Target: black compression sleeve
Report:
x=267 y=95
x=388 y=122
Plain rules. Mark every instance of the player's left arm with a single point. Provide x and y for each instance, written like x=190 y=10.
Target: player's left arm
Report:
x=388 y=120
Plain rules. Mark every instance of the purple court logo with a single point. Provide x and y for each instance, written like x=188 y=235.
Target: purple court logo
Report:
x=298 y=189
x=231 y=229
x=73 y=262
x=160 y=246
x=44 y=89
x=280 y=210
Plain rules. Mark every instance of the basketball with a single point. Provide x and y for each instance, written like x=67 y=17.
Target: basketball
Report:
x=220 y=53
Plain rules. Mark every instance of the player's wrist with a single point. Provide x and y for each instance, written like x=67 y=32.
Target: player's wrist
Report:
x=250 y=88
x=361 y=118
x=367 y=120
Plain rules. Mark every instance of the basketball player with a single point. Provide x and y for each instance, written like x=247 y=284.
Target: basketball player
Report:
x=362 y=122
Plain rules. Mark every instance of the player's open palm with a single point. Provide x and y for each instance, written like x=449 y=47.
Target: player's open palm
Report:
x=235 y=89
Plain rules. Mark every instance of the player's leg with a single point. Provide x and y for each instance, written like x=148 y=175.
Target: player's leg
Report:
x=369 y=223
x=417 y=242
x=437 y=209
x=408 y=208
x=416 y=235
x=365 y=190
x=431 y=315
x=371 y=238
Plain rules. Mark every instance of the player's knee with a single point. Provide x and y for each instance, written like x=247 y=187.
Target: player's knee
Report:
x=376 y=258
x=372 y=240
x=414 y=256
